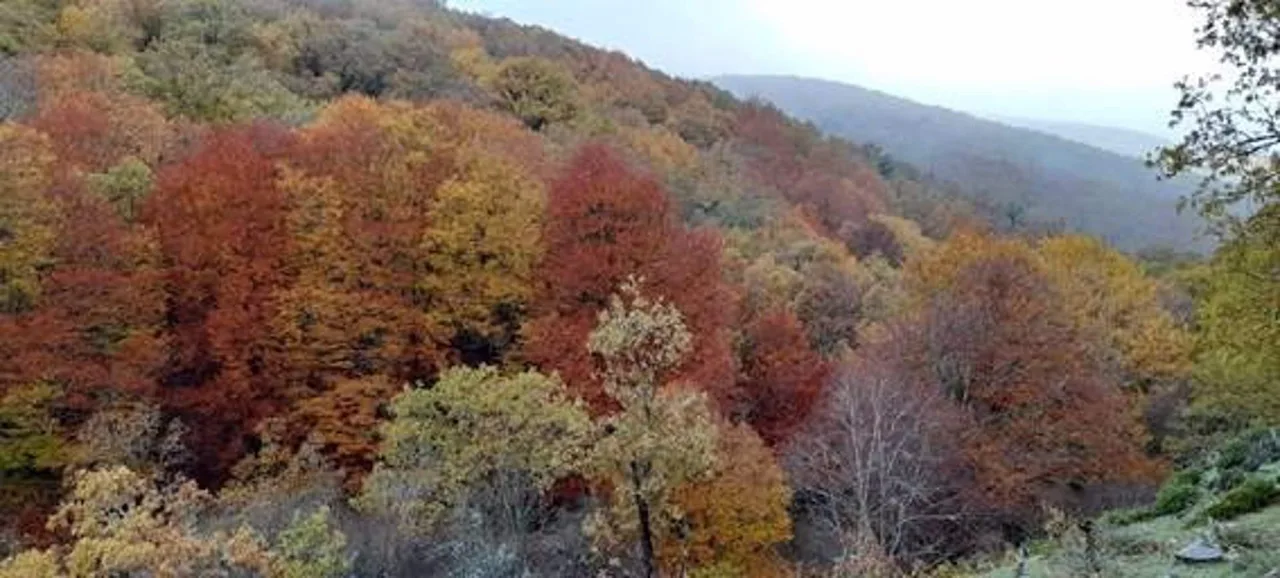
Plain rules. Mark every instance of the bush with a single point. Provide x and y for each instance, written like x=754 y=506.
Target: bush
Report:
x=1250 y=451
x=1129 y=516
x=1253 y=495
x=1176 y=496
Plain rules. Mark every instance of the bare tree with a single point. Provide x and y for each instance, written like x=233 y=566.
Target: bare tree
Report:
x=877 y=471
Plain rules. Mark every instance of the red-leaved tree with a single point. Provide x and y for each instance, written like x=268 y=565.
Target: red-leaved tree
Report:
x=220 y=217
x=782 y=377
x=604 y=222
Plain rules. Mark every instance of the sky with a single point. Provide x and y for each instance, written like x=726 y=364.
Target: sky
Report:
x=1104 y=62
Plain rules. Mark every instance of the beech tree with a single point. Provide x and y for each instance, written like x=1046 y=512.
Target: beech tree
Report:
x=993 y=337
x=782 y=378
x=220 y=218
x=1119 y=308
x=605 y=222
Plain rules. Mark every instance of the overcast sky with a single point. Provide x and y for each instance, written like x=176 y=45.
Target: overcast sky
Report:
x=1108 y=62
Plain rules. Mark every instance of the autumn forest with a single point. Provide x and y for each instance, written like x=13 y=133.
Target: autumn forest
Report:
x=330 y=288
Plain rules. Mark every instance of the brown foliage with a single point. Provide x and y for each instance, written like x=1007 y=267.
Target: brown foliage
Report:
x=994 y=339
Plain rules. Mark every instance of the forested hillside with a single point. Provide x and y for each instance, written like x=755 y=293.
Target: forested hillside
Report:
x=333 y=288
x=1031 y=178
x=1126 y=142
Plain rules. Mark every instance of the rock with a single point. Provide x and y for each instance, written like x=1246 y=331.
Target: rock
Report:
x=1200 y=552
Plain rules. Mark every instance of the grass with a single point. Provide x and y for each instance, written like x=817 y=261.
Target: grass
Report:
x=1147 y=549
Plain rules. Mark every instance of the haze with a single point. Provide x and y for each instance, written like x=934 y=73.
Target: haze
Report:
x=1091 y=61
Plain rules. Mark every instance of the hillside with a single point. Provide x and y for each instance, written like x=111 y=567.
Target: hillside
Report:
x=379 y=288
x=1126 y=142
x=1053 y=179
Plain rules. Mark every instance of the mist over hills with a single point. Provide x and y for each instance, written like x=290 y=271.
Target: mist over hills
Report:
x=1037 y=178
x=1122 y=141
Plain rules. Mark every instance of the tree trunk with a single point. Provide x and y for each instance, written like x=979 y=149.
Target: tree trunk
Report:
x=646 y=527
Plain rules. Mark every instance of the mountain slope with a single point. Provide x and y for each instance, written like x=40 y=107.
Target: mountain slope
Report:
x=1033 y=176
x=1130 y=143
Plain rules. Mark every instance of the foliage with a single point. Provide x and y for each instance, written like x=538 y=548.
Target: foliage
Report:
x=27 y=216
x=124 y=186
x=474 y=427
x=662 y=437
x=1254 y=494
x=124 y=523
x=30 y=437
x=1114 y=300
x=220 y=219
x=1230 y=148
x=537 y=91
x=733 y=521
x=483 y=249
x=1175 y=497
x=995 y=339
x=1237 y=298
x=308 y=548
x=782 y=379
x=605 y=222
x=226 y=246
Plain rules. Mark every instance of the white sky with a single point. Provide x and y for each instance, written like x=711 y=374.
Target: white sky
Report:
x=1109 y=62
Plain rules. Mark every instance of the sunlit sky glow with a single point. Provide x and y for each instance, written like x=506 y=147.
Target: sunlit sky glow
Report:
x=1108 y=62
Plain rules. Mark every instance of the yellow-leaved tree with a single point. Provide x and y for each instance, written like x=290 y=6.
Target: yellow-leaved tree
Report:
x=1111 y=299
x=477 y=441
x=28 y=217
x=663 y=436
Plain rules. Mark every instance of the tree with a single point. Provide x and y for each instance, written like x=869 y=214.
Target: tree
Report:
x=605 y=222
x=1233 y=148
x=830 y=303
x=781 y=377
x=1232 y=144
x=992 y=336
x=17 y=87
x=481 y=253
x=105 y=305
x=92 y=122
x=477 y=441
x=33 y=451
x=344 y=419
x=28 y=217
x=732 y=522
x=122 y=523
x=309 y=548
x=538 y=91
x=221 y=221
x=1119 y=308
x=878 y=470
x=1238 y=337
x=124 y=186
x=663 y=435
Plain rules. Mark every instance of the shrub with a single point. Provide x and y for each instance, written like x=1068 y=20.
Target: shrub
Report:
x=1129 y=516
x=1176 y=496
x=1250 y=451
x=1253 y=495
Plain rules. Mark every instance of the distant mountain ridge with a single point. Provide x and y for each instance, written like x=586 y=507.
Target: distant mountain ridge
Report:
x=1043 y=177
x=1123 y=141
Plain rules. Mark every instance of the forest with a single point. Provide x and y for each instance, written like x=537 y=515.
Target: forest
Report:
x=339 y=288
